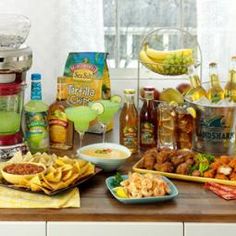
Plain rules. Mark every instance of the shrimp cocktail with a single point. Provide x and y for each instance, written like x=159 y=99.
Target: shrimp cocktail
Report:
x=81 y=116
x=106 y=110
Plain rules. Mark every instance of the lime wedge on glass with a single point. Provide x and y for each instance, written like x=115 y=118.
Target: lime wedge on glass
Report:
x=98 y=107
x=116 y=99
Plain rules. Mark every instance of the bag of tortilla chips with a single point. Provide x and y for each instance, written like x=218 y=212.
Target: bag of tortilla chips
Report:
x=87 y=78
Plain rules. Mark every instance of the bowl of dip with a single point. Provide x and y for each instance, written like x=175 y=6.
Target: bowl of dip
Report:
x=108 y=156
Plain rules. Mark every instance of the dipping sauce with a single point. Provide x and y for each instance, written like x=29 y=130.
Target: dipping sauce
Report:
x=23 y=169
x=105 y=153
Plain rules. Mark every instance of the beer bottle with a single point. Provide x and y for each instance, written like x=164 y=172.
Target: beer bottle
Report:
x=197 y=91
x=230 y=87
x=216 y=92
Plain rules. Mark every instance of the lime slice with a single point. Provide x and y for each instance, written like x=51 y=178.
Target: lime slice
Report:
x=120 y=192
x=192 y=112
x=98 y=107
x=116 y=99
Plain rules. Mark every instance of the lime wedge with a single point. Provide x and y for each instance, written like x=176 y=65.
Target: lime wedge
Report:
x=98 y=107
x=120 y=192
x=192 y=112
x=116 y=99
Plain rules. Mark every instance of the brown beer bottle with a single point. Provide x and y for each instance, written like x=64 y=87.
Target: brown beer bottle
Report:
x=148 y=120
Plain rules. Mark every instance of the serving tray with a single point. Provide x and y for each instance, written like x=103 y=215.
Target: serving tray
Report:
x=137 y=168
x=51 y=193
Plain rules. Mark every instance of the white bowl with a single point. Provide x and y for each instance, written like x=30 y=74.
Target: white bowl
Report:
x=107 y=164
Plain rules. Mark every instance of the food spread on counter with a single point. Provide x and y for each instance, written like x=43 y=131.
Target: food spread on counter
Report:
x=170 y=125
x=44 y=172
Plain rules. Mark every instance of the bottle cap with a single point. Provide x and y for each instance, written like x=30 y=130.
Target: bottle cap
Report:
x=129 y=91
x=36 y=76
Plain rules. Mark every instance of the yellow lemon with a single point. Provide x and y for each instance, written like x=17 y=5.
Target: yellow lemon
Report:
x=120 y=192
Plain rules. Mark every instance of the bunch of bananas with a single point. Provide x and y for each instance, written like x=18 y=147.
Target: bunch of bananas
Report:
x=173 y=62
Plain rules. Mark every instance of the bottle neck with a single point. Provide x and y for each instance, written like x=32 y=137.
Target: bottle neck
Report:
x=36 y=90
x=214 y=80
x=195 y=81
x=149 y=95
x=129 y=98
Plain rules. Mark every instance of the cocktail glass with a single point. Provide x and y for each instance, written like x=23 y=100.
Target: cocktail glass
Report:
x=109 y=110
x=81 y=116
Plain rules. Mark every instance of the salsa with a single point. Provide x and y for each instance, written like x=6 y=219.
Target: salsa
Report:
x=23 y=169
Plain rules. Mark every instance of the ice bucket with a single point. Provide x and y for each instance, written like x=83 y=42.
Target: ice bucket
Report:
x=215 y=129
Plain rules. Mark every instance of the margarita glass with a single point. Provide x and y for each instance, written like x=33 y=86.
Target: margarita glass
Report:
x=106 y=111
x=81 y=116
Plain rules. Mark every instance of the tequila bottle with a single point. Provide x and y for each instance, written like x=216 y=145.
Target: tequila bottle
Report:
x=216 y=92
x=60 y=128
x=230 y=87
x=129 y=122
x=197 y=91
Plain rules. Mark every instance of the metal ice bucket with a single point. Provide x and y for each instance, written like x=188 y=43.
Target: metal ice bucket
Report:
x=215 y=129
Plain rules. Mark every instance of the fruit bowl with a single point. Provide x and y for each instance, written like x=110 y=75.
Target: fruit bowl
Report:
x=169 y=51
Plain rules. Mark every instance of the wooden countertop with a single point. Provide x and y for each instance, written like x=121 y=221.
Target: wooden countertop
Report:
x=194 y=203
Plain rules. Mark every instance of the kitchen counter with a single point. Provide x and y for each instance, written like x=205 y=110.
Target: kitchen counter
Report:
x=194 y=203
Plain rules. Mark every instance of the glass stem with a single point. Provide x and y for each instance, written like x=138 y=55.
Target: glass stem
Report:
x=81 y=136
x=104 y=128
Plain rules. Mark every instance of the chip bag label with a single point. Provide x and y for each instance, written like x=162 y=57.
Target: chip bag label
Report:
x=87 y=78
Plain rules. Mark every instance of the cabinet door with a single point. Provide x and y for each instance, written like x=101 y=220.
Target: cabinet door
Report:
x=20 y=228
x=208 y=229
x=113 y=229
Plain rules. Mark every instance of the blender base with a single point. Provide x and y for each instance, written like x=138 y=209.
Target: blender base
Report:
x=7 y=152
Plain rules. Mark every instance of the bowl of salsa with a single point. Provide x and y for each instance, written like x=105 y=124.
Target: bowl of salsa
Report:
x=16 y=173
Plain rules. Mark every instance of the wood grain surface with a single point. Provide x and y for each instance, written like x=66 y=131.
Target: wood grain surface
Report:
x=194 y=203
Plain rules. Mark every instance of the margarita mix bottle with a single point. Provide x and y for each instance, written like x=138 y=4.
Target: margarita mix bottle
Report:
x=36 y=112
x=129 y=122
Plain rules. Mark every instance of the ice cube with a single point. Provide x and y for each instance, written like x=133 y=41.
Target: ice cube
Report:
x=203 y=101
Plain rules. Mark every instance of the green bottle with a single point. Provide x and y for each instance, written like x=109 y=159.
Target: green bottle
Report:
x=36 y=122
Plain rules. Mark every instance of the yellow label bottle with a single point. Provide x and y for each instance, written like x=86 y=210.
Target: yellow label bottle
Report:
x=230 y=87
x=216 y=92
x=197 y=91
x=60 y=128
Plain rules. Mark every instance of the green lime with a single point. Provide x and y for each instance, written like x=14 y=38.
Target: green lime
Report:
x=98 y=107
x=116 y=99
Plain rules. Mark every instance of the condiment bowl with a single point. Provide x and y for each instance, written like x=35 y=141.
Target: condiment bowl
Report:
x=106 y=163
x=18 y=179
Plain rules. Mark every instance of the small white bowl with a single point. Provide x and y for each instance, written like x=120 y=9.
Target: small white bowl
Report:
x=107 y=164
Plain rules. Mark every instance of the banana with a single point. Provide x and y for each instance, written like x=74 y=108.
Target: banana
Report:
x=160 y=56
x=147 y=62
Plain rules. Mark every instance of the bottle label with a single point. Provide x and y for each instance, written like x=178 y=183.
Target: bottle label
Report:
x=36 y=92
x=58 y=124
x=37 y=130
x=130 y=137
x=147 y=133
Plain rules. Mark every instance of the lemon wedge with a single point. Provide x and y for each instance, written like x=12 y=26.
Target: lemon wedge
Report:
x=120 y=192
x=192 y=112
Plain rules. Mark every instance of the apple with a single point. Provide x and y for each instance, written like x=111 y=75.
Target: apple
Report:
x=156 y=93
x=183 y=88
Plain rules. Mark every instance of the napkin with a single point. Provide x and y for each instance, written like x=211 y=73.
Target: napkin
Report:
x=11 y=198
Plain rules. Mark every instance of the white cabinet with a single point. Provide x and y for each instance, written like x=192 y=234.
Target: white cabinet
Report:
x=209 y=229
x=114 y=229
x=19 y=228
